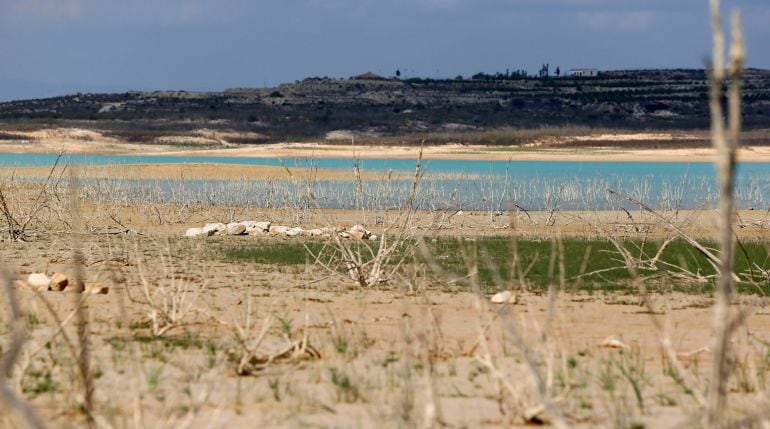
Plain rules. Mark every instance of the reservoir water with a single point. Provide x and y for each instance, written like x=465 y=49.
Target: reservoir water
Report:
x=462 y=184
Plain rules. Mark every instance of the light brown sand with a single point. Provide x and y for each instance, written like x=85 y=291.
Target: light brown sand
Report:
x=288 y=150
x=388 y=343
x=382 y=339
x=189 y=171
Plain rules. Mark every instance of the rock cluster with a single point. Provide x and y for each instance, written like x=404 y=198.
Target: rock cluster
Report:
x=59 y=282
x=254 y=228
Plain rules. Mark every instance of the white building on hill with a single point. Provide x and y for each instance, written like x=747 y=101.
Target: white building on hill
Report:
x=584 y=72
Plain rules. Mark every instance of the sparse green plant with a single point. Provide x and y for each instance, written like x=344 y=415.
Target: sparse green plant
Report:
x=346 y=390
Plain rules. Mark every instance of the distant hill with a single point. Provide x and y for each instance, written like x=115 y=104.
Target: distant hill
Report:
x=317 y=107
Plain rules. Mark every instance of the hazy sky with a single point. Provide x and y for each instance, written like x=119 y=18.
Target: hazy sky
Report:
x=55 y=46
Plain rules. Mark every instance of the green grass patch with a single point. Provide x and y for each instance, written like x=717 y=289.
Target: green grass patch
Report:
x=589 y=264
x=581 y=257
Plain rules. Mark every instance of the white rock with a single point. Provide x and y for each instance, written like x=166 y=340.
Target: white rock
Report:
x=211 y=228
x=39 y=280
x=316 y=232
x=236 y=229
x=256 y=226
x=504 y=297
x=278 y=229
x=294 y=232
x=195 y=232
x=358 y=228
x=373 y=237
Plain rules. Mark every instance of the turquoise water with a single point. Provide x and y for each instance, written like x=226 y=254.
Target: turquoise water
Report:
x=475 y=185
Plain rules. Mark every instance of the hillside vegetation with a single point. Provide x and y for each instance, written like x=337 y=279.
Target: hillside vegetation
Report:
x=340 y=108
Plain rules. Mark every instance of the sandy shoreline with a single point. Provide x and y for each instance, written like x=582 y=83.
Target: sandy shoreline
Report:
x=480 y=153
x=444 y=152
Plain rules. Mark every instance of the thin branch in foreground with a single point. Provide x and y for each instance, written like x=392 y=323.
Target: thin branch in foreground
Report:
x=726 y=144
x=81 y=307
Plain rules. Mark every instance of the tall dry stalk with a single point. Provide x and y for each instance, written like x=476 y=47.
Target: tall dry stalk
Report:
x=726 y=143
x=81 y=306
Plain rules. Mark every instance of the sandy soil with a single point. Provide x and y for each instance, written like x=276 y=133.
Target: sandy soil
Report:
x=189 y=171
x=382 y=353
x=287 y=150
x=84 y=141
x=422 y=347
x=379 y=356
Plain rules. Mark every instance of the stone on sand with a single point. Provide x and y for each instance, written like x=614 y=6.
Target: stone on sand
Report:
x=504 y=297
x=236 y=229
x=195 y=232
x=294 y=232
x=59 y=282
x=278 y=229
x=39 y=281
x=212 y=228
x=96 y=289
x=256 y=226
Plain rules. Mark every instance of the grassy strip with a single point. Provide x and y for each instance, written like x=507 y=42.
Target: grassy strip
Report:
x=494 y=257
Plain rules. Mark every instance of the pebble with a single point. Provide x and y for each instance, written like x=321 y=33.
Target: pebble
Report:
x=96 y=289
x=612 y=342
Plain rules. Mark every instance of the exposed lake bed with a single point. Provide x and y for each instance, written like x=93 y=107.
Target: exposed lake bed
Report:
x=507 y=216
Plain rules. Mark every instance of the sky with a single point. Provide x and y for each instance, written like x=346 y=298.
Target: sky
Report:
x=53 y=47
